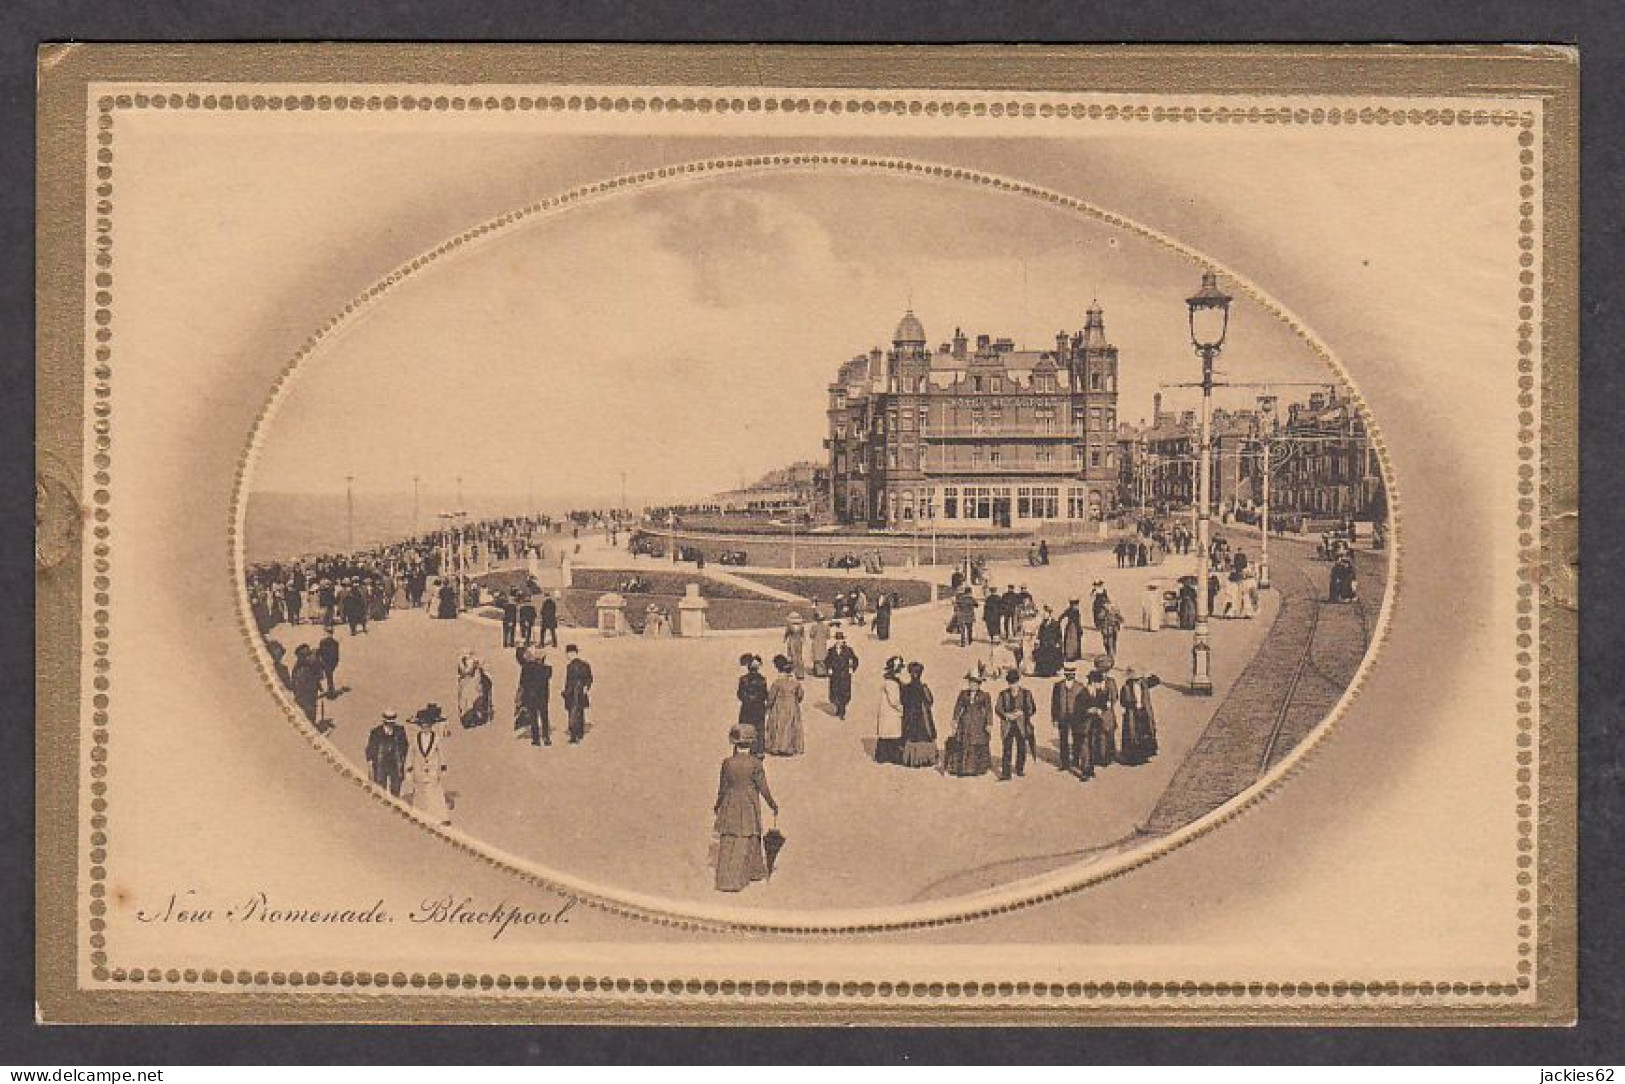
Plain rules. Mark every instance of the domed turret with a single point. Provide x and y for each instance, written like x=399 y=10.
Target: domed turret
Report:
x=910 y=332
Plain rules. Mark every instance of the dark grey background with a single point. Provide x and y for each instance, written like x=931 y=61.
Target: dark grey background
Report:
x=1595 y=26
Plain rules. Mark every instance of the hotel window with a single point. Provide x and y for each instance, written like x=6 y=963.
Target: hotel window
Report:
x=993 y=457
x=996 y=416
x=1077 y=503
x=1077 y=456
x=908 y=420
x=950 y=502
x=891 y=458
x=996 y=383
x=1094 y=457
x=976 y=456
x=1046 y=456
x=1094 y=381
x=976 y=383
x=1024 y=502
x=1094 y=419
x=928 y=504
x=908 y=506
x=925 y=418
x=978 y=420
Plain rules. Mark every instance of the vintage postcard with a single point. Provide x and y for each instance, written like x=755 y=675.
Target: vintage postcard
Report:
x=749 y=534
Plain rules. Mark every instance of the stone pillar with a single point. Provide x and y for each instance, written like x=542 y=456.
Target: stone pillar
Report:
x=691 y=612
x=611 y=614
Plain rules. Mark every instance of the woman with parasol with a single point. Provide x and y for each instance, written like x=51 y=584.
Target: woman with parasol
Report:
x=740 y=792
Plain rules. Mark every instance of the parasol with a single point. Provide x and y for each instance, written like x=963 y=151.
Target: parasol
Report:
x=772 y=843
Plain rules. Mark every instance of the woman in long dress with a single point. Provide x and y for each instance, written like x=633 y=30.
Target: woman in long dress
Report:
x=426 y=764
x=883 y=608
x=1048 y=653
x=1072 y=632
x=818 y=641
x=889 y=714
x=970 y=750
x=740 y=792
x=1151 y=608
x=1027 y=618
x=473 y=691
x=919 y=728
x=795 y=644
x=784 y=733
x=1139 y=718
x=753 y=698
x=1100 y=696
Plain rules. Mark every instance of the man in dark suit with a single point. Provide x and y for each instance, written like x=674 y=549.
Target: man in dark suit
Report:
x=530 y=701
x=550 y=620
x=386 y=753
x=1067 y=707
x=1009 y=610
x=993 y=614
x=577 y=680
x=527 y=620
x=840 y=663
x=510 y=617
x=327 y=653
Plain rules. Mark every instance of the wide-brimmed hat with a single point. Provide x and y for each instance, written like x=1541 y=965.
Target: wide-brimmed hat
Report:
x=1069 y=668
x=431 y=713
x=747 y=658
x=781 y=663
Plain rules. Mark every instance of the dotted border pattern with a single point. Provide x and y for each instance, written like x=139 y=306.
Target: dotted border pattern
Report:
x=103 y=318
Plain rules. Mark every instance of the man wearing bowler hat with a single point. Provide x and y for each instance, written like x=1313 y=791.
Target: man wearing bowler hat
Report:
x=386 y=753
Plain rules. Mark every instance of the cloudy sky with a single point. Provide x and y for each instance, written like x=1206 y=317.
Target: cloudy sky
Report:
x=685 y=334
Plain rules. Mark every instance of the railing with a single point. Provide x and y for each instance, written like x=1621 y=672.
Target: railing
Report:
x=1070 y=471
x=956 y=432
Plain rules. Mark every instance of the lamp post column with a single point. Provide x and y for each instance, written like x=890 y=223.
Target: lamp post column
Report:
x=1201 y=650
x=1264 y=533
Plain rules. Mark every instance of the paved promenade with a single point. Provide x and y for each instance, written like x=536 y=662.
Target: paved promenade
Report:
x=631 y=806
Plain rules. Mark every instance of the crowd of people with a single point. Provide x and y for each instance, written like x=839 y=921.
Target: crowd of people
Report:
x=1098 y=719
x=1022 y=654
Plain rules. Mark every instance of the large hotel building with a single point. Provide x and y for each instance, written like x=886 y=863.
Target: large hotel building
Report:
x=981 y=437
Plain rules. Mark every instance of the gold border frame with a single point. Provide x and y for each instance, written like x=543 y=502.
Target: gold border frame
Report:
x=66 y=71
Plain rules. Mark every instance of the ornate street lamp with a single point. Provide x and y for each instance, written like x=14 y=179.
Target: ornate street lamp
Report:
x=1210 y=321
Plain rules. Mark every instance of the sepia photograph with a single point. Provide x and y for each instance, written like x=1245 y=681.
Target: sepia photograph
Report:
x=680 y=535
x=985 y=538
